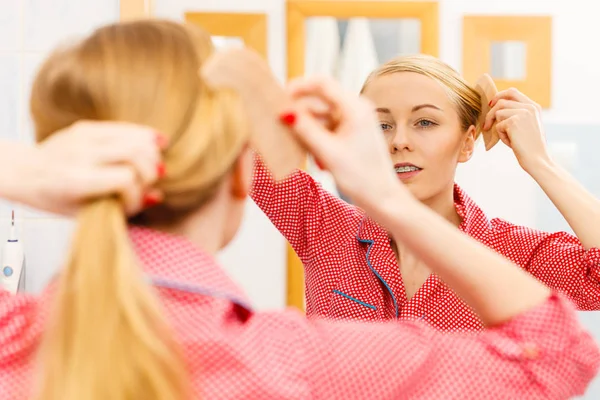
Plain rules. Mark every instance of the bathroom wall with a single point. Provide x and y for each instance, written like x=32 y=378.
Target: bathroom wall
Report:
x=29 y=29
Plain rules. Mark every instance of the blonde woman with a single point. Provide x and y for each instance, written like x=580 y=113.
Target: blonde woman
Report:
x=429 y=117
x=142 y=310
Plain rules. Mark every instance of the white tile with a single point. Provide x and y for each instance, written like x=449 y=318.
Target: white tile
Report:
x=10 y=78
x=10 y=25
x=46 y=244
x=48 y=23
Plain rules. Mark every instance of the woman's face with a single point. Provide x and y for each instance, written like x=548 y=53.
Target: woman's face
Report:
x=423 y=131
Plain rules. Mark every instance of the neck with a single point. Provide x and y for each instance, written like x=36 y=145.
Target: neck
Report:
x=443 y=204
x=205 y=228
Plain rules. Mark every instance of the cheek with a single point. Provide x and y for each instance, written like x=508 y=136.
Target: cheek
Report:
x=441 y=149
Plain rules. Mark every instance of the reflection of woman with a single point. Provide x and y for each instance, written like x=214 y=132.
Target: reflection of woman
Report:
x=429 y=117
x=109 y=339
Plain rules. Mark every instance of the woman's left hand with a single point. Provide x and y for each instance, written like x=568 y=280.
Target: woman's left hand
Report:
x=519 y=126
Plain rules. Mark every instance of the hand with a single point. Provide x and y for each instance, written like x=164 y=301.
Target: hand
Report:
x=351 y=145
x=519 y=127
x=91 y=159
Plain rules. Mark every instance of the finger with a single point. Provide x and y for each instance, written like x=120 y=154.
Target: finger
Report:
x=515 y=95
x=313 y=135
x=504 y=114
x=139 y=151
x=100 y=131
x=319 y=110
x=107 y=180
x=512 y=94
x=502 y=128
x=328 y=91
x=500 y=105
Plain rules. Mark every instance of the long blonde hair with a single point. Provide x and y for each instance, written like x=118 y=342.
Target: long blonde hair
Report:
x=108 y=338
x=465 y=98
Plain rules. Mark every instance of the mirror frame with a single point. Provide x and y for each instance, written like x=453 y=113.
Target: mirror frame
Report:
x=427 y=12
x=252 y=28
x=134 y=9
x=535 y=31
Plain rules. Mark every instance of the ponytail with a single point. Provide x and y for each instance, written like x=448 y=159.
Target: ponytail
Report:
x=108 y=338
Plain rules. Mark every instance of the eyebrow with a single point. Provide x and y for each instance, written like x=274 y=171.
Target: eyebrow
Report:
x=415 y=108
x=420 y=106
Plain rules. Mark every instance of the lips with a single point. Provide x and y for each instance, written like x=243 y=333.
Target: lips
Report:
x=406 y=167
x=407 y=171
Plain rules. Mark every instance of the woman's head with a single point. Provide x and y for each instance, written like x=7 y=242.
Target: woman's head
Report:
x=108 y=338
x=147 y=72
x=429 y=116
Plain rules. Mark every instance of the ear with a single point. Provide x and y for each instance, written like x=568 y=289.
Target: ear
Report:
x=241 y=175
x=468 y=145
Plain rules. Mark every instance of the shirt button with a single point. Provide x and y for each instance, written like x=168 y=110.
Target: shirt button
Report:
x=531 y=351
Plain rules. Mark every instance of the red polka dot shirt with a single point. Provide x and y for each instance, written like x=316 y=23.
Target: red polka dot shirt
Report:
x=351 y=271
x=233 y=352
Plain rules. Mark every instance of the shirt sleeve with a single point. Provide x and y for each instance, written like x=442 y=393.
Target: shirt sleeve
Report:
x=311 y=219
x=543 y=353
x=557 y=259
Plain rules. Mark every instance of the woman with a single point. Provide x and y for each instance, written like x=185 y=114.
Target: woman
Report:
x=174 y=325
x=429 y=116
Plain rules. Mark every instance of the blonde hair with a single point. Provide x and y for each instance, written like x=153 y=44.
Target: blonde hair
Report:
x=108 y=337
x=465 y=98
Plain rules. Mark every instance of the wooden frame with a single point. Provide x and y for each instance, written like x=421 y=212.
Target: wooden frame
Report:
x=299 y=10
x=252 y=28
x=134 y=9
x=535 y=31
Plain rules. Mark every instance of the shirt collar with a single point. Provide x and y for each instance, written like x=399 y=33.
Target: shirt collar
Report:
x=174 y=262
x=474 y=222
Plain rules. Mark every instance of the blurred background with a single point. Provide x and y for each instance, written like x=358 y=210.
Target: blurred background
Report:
x=544 y=47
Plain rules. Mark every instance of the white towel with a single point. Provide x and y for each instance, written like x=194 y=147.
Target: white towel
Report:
x=322 y=46
x=359 y=56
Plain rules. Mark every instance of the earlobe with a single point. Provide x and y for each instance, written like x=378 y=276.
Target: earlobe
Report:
x=468 y=145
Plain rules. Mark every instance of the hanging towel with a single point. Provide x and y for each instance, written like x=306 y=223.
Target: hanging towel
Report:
x=322 y=46
x=359 y=56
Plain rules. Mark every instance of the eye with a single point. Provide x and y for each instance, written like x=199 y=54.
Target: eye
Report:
x=385 y=127
x=425 y=123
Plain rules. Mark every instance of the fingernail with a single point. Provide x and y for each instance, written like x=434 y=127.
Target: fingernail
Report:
x=161 y=141
x=490 y=103
x=161 y=170
x=150 y=200
x=288 y=118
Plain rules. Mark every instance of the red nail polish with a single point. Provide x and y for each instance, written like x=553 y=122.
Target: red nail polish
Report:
x=161 y=141
x=490 y=103
x=150 y=200
x=288 y=119
x=161 y=170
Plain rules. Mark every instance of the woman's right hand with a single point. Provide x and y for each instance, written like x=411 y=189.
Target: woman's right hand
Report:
x=83 y=161
x=351 y=146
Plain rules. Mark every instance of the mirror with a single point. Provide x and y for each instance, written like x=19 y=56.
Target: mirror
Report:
x=222 y=42
x=349 y=49
x=508 y=60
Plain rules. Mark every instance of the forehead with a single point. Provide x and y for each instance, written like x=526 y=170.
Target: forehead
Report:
x=402 y=90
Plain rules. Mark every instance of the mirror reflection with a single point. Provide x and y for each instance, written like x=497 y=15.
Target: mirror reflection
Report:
x=508 y=60
x=349 y=49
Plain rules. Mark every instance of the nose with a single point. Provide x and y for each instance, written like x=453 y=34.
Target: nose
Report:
x=400 y=141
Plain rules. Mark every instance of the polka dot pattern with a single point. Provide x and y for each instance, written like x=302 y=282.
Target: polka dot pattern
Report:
x=236 y=353
x=351 y=271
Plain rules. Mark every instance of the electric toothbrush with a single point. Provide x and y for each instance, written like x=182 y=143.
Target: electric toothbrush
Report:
x=13 y=262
